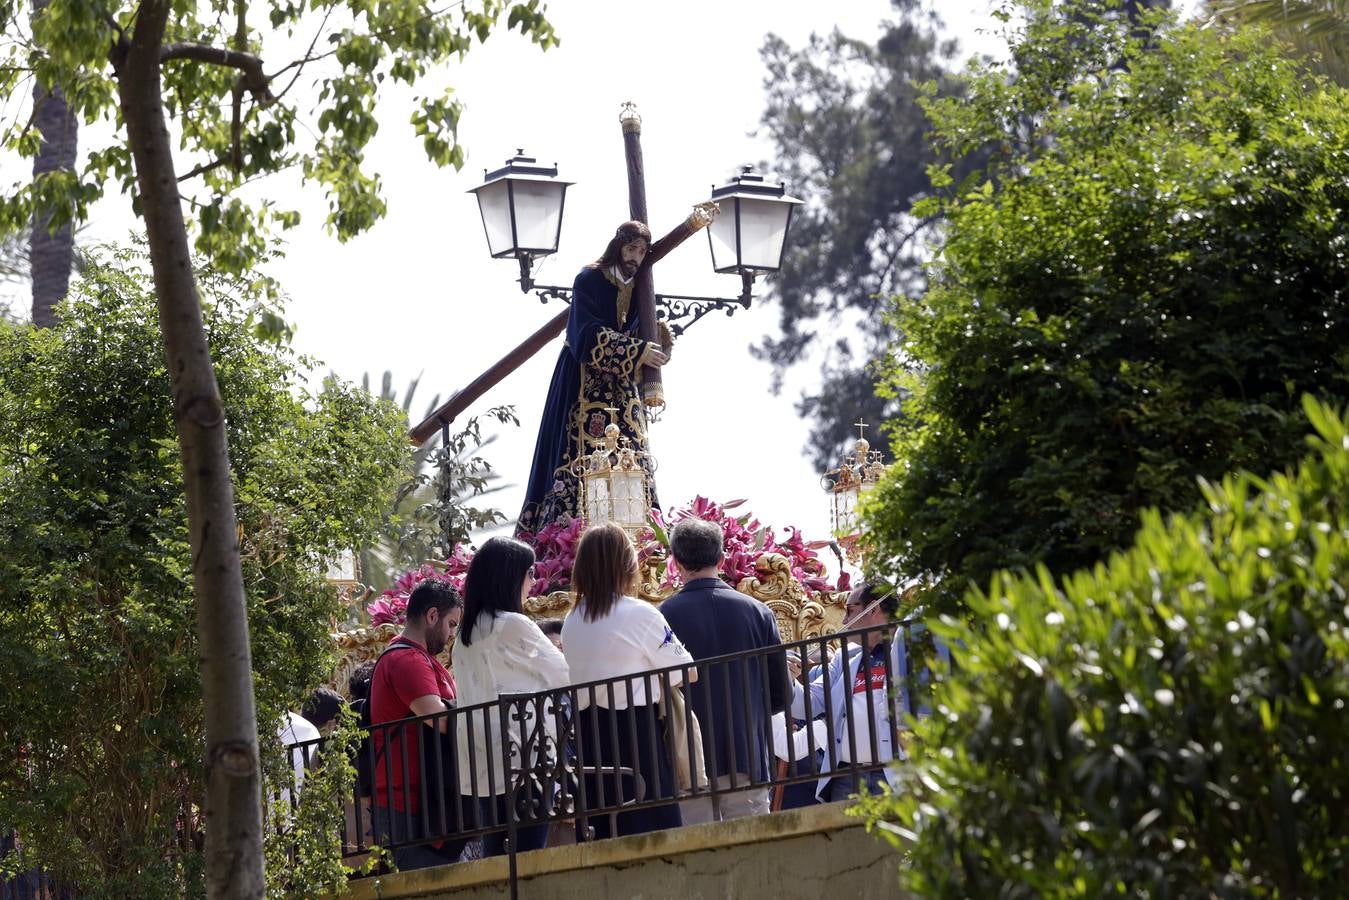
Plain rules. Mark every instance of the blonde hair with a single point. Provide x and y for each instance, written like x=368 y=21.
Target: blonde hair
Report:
x=605 y=569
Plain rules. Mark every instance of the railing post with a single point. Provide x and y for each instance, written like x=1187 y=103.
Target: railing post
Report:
x=512 y=779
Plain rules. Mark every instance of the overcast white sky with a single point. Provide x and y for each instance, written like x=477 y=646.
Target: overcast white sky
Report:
x=419 y=295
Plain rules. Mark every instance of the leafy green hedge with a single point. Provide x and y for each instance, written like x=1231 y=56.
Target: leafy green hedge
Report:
x=1170 y=723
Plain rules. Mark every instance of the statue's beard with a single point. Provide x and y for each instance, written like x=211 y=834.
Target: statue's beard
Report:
x=628 y=269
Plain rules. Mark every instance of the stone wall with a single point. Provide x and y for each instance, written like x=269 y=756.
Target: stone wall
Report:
x=795 y=855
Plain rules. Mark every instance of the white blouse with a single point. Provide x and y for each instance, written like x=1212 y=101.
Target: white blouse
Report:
x=633 y=638
x=509 y=655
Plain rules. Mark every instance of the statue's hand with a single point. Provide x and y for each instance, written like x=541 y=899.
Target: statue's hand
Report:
x=652 y=356
x=666 y=337
x=703 y=214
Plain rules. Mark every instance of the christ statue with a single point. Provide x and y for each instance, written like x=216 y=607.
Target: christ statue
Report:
x=599 y=369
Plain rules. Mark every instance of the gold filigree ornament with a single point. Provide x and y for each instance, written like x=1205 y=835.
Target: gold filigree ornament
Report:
x=552 y=605
x=799 y=615
x=360 y=645
x=629 y=118
x=650 y=586
x=703 y=214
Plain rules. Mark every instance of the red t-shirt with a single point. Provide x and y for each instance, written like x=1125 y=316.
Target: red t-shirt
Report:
x=402 y=676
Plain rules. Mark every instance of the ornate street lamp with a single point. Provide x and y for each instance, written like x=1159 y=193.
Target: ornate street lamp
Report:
x=614 y=483
x=859 y=472
x=521 y=207
x=749 y=236
x=343 y=574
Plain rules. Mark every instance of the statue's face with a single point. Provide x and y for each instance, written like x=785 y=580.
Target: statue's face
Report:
x=631 y=257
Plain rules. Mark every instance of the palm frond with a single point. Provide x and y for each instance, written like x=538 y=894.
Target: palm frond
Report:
x=1316 y=29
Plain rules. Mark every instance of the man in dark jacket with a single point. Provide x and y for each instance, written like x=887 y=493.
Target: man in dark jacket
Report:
x=734 y=701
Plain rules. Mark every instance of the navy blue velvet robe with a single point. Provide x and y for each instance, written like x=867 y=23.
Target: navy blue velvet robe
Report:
x=597 y=368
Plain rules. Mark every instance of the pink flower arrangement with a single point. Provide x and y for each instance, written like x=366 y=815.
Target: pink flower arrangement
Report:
x=555 y=550
x=390 y=607
x=747 y=541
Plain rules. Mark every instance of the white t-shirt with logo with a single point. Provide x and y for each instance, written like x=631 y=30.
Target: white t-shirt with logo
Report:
x=870 y=679
x=633 y=638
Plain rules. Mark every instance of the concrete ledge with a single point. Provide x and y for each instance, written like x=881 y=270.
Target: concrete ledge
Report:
x=615 y=852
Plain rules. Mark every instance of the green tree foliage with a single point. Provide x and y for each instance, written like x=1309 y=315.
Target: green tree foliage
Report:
x=102 y=711
x=305 y=826
x=1149 y=275
x=246 y=109
x=214 y=72
x=850 y=139
x=1168 y=724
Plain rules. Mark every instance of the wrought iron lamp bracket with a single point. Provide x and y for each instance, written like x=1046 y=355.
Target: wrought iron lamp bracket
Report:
x=546 y=292
x=680 y=311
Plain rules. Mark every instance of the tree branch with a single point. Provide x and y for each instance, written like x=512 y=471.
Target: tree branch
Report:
x=309 y=57
x=252 y=77
x=236 y=117
x=204 y=168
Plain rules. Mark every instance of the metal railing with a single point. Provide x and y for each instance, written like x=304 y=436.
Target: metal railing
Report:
x=571 y=754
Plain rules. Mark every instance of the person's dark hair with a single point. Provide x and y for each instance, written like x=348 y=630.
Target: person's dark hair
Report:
x=358 y=685
x=322 y=706
x=697 y=543
x=493 y=582
x=868 y=592
x=550 y=627
x=605 y=569
x=628 y=232
x=433 y=593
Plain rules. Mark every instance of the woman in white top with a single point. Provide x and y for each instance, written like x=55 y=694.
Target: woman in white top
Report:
x=610 y=634
x=499 y=650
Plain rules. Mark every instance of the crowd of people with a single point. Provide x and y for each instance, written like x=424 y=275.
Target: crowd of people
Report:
x=440 y=773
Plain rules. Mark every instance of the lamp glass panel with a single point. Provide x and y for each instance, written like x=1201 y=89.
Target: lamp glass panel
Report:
x=342 y=568
x=763 y=228
x=494 y=204
x=721 y=233
x=845 y=512
x=538 y=214
x=629 y=497
x=598 y=506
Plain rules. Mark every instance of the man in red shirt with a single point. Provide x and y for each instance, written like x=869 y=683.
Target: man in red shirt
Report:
x=410 y=681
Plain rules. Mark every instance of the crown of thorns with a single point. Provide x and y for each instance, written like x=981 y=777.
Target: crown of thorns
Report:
x=628 y=233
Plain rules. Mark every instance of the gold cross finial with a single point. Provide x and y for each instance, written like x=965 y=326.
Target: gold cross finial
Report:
x=861 y=429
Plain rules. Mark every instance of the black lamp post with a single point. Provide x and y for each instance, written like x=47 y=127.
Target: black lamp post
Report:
x=521 y=206
x=751 y=233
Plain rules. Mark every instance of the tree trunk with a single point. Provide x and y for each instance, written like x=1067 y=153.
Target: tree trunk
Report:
x=50 y=254
x=233 y=811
